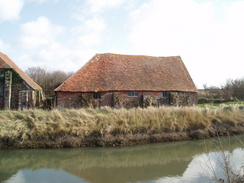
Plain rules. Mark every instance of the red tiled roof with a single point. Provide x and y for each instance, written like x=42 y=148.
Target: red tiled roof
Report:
x=6 y=62
x=114 y=72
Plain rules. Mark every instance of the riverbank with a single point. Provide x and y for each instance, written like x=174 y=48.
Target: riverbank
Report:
x=116 y=127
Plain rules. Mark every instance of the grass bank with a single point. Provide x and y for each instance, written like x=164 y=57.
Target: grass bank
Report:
x=116 y=127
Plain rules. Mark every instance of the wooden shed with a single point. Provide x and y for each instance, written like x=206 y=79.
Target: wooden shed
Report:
x=17 y=89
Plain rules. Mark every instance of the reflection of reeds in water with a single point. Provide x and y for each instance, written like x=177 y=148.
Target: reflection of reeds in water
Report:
x=82 y=160
x=105 y=157
x=108 y=127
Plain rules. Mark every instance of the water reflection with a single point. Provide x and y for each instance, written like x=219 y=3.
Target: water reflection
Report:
x=198 y=172
x=154 y=163
x=44 y=175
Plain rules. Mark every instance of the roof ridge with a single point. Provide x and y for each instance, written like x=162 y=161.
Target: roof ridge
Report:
x=139 y=55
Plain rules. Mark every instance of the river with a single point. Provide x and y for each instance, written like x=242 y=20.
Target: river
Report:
x=177 y=162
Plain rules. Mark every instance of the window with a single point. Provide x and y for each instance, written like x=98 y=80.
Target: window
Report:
x=97 y=95
x=164 y=94
x=133 y=94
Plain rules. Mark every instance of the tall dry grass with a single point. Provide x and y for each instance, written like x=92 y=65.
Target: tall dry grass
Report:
x=109 y=127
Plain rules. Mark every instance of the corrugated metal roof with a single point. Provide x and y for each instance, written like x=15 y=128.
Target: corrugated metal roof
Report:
x=6 y=62
x=115 y=72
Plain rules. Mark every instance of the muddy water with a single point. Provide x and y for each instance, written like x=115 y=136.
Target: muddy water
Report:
x=185 y=161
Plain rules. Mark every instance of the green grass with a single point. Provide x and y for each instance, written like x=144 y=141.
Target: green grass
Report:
x=239 y=102
x=109 y=127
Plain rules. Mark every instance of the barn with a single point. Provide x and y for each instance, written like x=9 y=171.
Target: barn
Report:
x=17 y=89
x=117 y=80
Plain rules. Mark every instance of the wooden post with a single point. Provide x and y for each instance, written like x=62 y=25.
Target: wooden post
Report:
x=7 y=90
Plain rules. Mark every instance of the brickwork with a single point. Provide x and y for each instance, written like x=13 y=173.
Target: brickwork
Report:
x=121 y=99
x=68 y=100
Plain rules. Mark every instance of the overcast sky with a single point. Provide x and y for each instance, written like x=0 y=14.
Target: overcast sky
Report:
x=65 y=34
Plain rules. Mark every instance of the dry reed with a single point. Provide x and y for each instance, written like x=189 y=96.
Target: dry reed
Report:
x=115 y=127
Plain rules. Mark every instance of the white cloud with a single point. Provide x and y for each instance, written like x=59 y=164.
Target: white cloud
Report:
x=79 y=58
x=18 y=177
x=96 y=6
x=94 y=24
x=41 y=1
x=89 y=40
x=210 y=48
x=169 y=25
x=235 y=11
x=118 y=51
x=4 y=47
x=9 y=10
x=90 y=33
x=55 y=51
x=39 y=32
x=57 y=57
x=203 y=167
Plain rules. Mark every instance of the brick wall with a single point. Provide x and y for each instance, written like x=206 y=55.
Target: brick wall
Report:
x=68 y=100
x=121 y=99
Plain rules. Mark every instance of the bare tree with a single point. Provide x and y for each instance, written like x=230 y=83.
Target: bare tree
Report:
x=233 y=89
x=48 y=79
x=211 y=92
x=228 y=90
